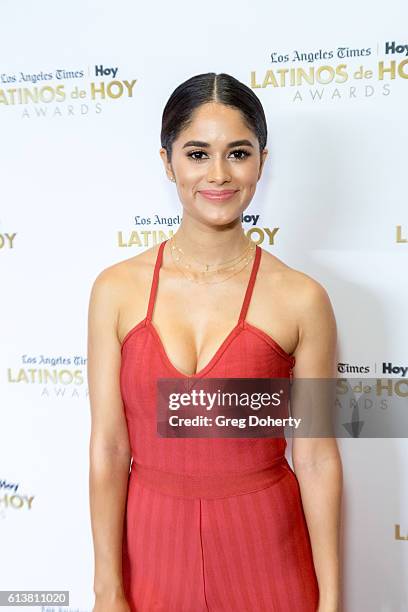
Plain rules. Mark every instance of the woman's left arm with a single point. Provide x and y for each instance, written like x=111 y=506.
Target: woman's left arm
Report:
x=316 y=461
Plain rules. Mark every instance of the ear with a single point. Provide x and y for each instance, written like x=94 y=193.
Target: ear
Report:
x=167 y=165
x=264 y=155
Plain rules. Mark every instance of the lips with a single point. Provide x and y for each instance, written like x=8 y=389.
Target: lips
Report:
x=218 y=194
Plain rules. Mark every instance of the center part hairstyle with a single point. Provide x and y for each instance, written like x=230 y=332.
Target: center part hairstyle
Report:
x=211 y=87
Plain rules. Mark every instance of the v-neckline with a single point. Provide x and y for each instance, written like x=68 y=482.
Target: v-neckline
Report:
x=234 y=331
x=229 y=337
x=278 y=348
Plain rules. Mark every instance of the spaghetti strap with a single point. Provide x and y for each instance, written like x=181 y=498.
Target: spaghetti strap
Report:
x=251 y=284
x=155 y=280
x=248 y=293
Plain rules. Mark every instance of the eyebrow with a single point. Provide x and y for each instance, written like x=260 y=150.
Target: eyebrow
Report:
x=200 y=143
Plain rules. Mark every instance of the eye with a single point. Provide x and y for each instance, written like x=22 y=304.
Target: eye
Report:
x=241 y=152
x=191 y=155
x=245 y=153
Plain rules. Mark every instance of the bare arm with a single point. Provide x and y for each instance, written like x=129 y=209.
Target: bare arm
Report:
x=109 y=451
x=316 y=461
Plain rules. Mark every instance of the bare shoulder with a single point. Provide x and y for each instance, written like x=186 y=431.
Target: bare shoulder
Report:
x=116 y=283
x=119 y=274
x=303 y=295
x=294 y=280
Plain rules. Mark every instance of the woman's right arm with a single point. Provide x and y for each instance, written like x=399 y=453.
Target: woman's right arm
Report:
x=109 y=451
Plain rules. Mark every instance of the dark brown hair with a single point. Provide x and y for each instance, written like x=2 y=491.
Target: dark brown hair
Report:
x=211 y=87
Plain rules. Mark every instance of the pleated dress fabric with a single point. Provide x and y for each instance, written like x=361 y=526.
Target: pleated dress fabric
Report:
x=211 y=524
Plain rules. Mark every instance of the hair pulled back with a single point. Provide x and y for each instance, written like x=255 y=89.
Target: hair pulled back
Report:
x=211 y=87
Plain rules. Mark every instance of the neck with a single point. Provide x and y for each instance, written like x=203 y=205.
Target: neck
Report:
x=212 y=245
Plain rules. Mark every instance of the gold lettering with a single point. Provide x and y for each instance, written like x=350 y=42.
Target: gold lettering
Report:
x=400 y=237
x=386 y=387
x=392 y=70
x=398 y=535
x=9 y=237
x=130 y=86
x=114 y=89
x=271 y=234
x=145 y=238
x=254 y=84
x=269 y=79
x=398 y=390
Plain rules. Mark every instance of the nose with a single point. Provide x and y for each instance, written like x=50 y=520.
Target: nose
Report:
x=218 y=171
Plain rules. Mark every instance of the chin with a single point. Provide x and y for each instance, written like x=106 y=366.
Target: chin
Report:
x=220 y=220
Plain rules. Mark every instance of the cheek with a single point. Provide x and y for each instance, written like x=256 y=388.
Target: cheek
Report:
x=249 y=183
x=247 y=173
x=189 y=177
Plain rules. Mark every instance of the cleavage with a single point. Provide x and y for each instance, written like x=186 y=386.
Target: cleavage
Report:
x=196 y=324
x=196 y=345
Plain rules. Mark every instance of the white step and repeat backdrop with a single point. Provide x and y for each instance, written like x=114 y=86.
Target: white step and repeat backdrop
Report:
x=82 y=88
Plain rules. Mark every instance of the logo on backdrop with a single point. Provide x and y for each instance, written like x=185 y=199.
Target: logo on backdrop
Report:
x=341 y=73
x=348 y=368
x=373 y=393
x=391 y=368
x=12 y=498
x=64 y=93
x=398 y=533
x=401 y=235
x=55 y=377
x=150 y=230
x=7 y=240
x=386 y=368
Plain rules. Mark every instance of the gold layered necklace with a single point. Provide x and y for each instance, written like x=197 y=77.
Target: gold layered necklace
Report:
x=206 y=273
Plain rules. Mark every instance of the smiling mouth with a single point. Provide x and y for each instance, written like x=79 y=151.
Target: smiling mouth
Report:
x=218 y=194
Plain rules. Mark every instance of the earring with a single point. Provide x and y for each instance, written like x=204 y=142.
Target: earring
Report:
x=172 y=179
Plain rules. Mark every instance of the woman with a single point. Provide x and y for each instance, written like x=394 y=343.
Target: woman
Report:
x=191 y=528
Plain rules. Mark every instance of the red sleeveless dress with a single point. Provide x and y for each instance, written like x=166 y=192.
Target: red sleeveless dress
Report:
x=211 y=524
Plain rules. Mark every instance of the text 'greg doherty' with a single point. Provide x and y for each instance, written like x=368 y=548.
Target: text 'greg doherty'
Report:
x=208 y=400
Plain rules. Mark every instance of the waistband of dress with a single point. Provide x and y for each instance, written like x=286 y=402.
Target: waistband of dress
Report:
x=211 y=486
